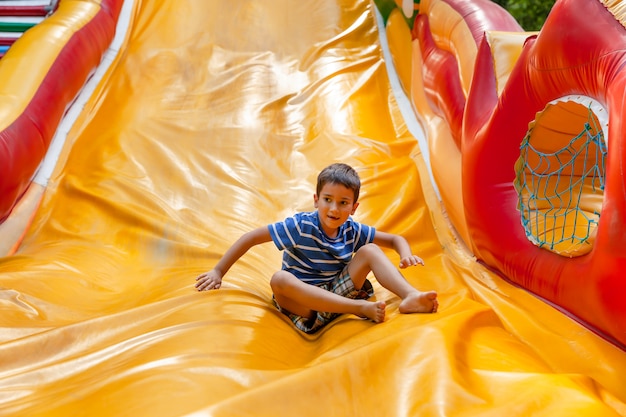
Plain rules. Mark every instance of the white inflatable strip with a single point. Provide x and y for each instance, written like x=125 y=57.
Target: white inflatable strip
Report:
x=24 y=3
x=42 y=176
x=22 y=19
x=415 y=128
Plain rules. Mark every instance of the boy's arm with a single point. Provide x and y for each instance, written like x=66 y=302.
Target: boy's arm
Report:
x=400 y=245
x=212 y=279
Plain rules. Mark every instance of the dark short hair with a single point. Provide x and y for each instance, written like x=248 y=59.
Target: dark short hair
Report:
x=342 y=174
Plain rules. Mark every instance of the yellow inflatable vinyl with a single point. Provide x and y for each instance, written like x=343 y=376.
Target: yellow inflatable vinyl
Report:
x=215 y=118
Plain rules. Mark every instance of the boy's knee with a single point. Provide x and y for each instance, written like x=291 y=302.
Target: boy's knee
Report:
x=279 y=280
x=371 y=249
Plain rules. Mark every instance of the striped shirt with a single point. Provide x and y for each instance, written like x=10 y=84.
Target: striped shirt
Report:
x=312 y=256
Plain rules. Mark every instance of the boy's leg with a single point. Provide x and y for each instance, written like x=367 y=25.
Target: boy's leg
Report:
x=304 y=299
x=371 y=258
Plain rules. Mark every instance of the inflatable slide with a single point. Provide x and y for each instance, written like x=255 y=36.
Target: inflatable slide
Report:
x=140 y=139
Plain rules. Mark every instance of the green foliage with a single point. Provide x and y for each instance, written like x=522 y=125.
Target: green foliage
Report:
x=385 y=7
x=530 y=14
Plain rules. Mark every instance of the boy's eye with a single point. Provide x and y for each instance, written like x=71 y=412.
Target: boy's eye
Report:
x=330 y=200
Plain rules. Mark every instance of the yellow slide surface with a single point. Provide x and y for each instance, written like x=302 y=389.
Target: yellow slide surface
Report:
x=215 y=119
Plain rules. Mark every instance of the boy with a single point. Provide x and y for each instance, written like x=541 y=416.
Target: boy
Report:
x=327 y=257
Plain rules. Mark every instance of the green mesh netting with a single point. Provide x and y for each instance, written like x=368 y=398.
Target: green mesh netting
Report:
x=552 y=188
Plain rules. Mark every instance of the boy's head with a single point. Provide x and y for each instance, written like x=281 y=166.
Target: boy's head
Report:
x=340 y=174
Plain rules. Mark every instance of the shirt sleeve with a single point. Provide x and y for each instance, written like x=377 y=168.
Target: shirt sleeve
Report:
x=284 y=233
x=364 y=234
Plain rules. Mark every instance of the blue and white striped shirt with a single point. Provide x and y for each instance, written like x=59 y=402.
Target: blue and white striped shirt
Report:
x=312 y=256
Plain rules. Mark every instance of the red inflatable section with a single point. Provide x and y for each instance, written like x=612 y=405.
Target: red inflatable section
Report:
x=580 y=51
x=25 y=138
x=588 y=61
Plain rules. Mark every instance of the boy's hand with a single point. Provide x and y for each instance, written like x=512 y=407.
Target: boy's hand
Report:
x=412 y=260
x=211 y=280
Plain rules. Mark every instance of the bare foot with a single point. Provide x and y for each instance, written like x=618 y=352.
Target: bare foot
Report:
x=419 y=302
x=373 y=310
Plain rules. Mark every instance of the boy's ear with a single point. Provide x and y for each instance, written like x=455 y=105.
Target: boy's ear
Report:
x=354 y=206
x=315 y=198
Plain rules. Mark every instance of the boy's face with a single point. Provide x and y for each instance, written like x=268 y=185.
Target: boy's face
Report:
x=335 y=204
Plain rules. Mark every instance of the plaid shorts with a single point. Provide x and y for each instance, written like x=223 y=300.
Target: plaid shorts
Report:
x=342 y=284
